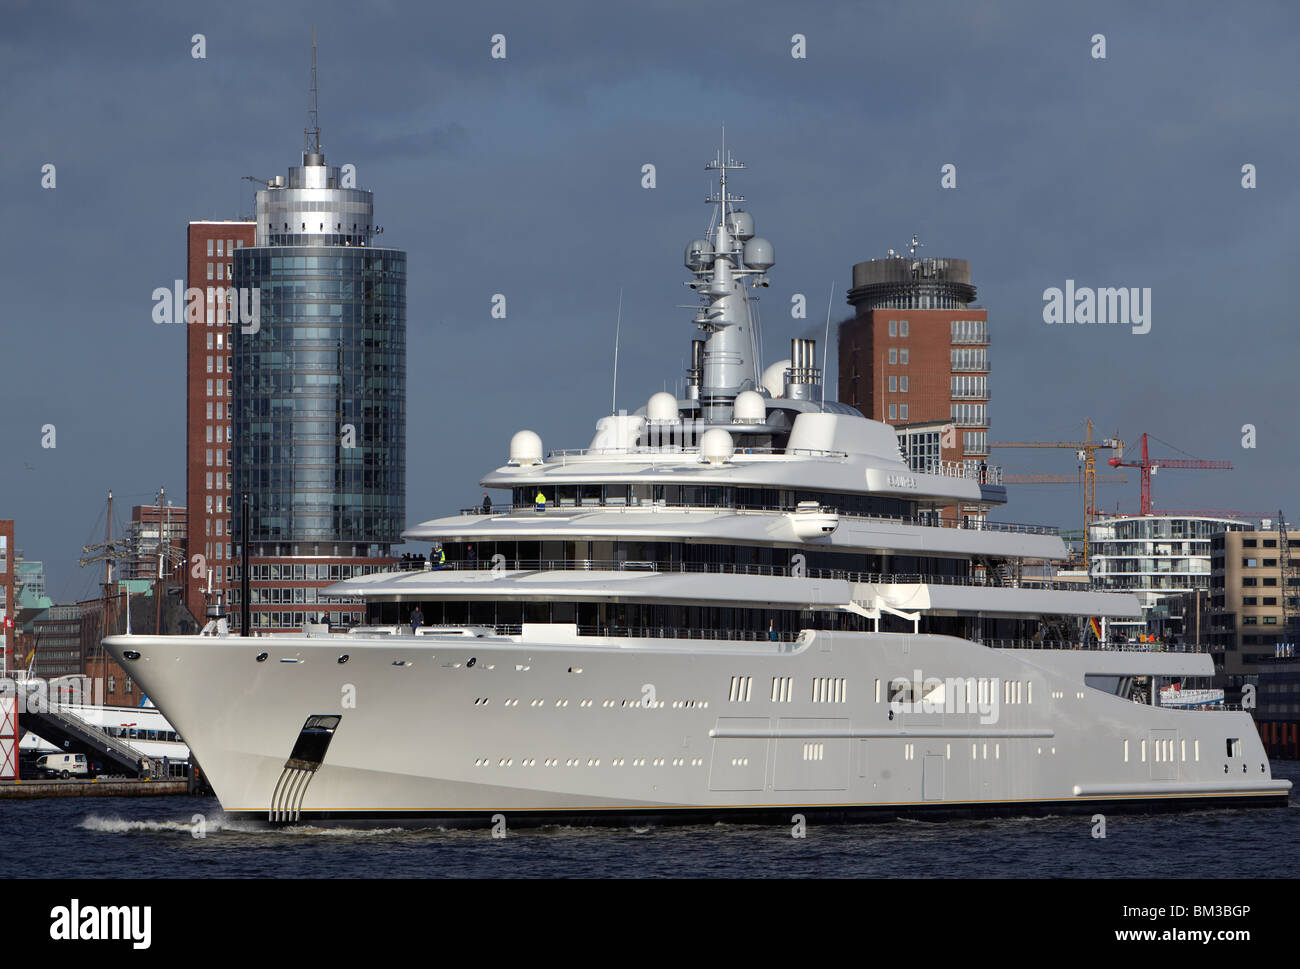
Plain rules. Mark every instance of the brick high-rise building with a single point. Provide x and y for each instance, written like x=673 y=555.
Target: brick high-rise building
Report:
x=915 y=355
x=208 y=352
x=148 y=522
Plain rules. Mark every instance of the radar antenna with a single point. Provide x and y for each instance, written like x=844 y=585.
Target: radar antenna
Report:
x=311 y=134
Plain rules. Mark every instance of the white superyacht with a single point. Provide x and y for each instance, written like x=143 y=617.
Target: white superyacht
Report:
x=742 y=604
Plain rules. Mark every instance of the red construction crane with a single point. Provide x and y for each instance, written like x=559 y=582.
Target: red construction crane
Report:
x=1148 y=467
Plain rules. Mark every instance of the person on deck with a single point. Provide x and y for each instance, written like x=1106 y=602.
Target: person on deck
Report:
x=487 y=504
x=417 y=619
x=540 y=502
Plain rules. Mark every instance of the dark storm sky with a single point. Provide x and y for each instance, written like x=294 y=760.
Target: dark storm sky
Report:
x=522 y=176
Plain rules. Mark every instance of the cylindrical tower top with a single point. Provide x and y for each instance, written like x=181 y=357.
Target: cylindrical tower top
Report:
x=912 y=283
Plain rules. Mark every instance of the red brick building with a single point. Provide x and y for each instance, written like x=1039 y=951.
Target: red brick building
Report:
x=148 y=523
x=915 y=354
x=208 y=352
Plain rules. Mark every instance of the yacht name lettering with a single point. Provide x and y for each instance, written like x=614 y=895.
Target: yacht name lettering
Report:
x=901 y=481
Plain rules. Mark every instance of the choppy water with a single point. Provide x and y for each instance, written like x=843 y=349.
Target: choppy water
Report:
x=154 y=837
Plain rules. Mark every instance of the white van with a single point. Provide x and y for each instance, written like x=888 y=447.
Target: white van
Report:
x=62 y=765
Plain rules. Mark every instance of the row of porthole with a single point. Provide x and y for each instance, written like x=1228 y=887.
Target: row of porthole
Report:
x=595 y=762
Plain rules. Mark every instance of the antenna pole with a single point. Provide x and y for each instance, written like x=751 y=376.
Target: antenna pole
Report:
x=618 y=326
x=311 y=134
x=826 y=343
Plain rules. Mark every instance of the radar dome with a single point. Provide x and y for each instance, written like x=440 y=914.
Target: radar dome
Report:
x=759 y=254
x=750 y=408
x=699 y=255
x=716 y=446
x=661 y=407
x=741 y=225
x=526 y=448
x=774 y=377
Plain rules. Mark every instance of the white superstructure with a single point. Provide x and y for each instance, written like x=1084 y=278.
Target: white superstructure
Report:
x=738 y=604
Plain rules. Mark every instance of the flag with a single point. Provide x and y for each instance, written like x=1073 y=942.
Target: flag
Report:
x=1095 y=626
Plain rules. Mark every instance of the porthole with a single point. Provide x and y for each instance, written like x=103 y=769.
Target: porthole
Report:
x=261 y=657
x=343 y=659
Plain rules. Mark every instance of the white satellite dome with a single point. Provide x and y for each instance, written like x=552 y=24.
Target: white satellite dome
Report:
x=741 y=224
x=699 y=255
x=759 y=254
x=750 y=407
x=774 y=377
x=526 y=448
x=716 y=446
x=662 y=406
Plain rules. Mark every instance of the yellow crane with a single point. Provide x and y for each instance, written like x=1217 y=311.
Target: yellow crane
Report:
x=1086 y=452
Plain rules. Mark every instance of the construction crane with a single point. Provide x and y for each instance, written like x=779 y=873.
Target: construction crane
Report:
x=1086 y=450
x=1148 y=467
x=1036 y=478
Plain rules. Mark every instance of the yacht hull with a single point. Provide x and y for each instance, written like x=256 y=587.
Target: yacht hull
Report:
x=458 y=731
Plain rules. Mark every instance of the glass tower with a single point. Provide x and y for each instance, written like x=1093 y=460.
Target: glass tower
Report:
x=319 y=390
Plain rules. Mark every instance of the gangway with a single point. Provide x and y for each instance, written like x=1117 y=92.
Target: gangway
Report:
x=62 y=728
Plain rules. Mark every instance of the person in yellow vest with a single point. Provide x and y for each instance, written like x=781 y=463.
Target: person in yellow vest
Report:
x=540 y=502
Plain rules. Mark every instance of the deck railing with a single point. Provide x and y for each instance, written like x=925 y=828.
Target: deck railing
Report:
x=726 y=568
x=978 y=525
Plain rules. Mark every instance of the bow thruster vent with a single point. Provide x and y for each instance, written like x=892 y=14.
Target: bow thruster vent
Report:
x=307 y=755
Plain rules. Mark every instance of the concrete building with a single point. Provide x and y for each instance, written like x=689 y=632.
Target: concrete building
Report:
x=320 y=397
x=1153 y=556
x=916 y=354
x=1248 y=583
x=210 y=250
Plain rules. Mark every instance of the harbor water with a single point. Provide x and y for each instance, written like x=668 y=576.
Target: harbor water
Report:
x=181 y=837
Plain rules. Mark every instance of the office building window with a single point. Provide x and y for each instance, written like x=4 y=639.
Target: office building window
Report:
x=893 y=327
x=209 y=430
x=893 y=355
x=902 y=357
x=902 y=410
x=209 y=364
x=893 y=385
x=209 y=457
x=221 y=270
x=219 y=252
x=893 y=412
x=970 y=331
x=969 y=358
x=902 y=384
x=209 y=410
x=209 y=247
x=902 y=327
x=969 y=387
x=209 y=388
x=209 y=270
x=970 y=415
